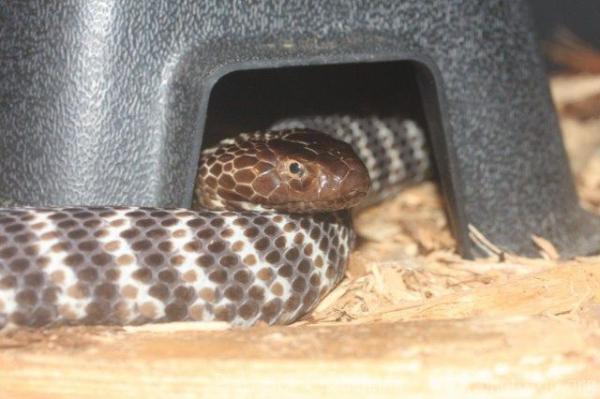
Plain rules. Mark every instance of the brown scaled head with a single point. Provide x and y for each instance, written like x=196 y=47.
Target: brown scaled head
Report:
x=297 y=170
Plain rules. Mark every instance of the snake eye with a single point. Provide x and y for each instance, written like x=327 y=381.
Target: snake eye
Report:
x=295 y=168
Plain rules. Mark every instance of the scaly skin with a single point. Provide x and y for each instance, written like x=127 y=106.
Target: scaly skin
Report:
x=269 y=239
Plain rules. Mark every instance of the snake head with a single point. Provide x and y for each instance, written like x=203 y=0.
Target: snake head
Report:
x=298 y=170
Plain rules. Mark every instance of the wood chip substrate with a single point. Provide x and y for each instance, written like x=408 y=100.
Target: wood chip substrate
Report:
x=412 y=319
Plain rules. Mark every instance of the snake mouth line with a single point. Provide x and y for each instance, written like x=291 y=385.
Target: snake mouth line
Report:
x=349 y=200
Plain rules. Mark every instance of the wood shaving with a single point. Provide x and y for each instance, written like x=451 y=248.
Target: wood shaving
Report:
x=407 y=262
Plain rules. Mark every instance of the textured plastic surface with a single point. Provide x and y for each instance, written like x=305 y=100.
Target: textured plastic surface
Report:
x=104 y=102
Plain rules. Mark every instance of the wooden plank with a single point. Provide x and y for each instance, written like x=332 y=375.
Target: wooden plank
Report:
x=481 y=358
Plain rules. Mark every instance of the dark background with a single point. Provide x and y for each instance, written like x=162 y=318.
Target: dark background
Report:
x=580 y=17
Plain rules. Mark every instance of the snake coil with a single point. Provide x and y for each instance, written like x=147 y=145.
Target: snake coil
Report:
x=270 y=234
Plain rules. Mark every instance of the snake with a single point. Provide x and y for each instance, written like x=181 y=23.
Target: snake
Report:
x=268 y=235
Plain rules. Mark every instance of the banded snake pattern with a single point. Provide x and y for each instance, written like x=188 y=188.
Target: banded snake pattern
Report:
x=269 y=234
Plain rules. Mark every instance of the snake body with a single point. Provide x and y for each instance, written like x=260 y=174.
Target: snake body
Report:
x=270 y=235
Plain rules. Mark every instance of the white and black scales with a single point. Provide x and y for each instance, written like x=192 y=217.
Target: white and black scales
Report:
x=129 y=265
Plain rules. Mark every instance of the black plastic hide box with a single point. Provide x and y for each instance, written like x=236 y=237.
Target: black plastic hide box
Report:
x=107 y=102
